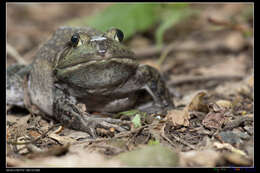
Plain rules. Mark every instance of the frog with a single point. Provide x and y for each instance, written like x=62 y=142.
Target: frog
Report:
x=81 y=65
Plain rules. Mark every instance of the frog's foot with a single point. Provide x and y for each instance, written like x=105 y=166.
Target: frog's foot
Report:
x=93 y=123
x=66 y=112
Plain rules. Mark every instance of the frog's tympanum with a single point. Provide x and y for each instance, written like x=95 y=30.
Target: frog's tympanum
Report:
x=82 y=65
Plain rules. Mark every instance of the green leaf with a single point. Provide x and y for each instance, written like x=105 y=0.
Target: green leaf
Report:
x=130 y=18
x=137 y=17
x=137 y=121
x=153 y=142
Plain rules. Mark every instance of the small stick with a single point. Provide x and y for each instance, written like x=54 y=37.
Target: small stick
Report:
x=11 y=51
x=192 y=79
x=183 y=142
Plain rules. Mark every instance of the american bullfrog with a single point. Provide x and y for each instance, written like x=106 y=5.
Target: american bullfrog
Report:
x=83 y=65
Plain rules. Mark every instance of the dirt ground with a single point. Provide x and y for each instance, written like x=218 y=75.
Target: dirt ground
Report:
x=208 y=65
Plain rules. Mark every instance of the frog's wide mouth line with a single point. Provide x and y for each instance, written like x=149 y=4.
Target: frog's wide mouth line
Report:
x=96 y=60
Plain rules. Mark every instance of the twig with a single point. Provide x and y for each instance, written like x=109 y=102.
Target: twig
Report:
x=166 y=51
x=183 y=142
x=167 y=139
x=191 y=79
x=162 y=134
x=11 y=51
x=148 y=52
x=235 y=26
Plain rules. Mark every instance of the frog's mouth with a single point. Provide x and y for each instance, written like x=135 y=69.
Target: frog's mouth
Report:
x=97 y=68
x=81 y=61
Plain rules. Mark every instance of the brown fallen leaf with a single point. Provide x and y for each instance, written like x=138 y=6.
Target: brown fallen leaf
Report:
x=178 y=118
x=224 y=104
x=197 y=103
x=214 y=120
x=181 y=117
x=34 y=134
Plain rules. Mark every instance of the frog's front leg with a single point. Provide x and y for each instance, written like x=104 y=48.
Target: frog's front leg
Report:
x=150 y=79
x=66 y=112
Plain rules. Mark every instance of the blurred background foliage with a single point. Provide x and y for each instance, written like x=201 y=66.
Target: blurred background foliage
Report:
x=137 y=17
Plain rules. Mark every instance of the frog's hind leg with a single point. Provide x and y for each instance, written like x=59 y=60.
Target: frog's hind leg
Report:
x=14 y=84
x=150 y=80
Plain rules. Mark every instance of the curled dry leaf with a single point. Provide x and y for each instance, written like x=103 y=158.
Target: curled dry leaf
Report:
x=181 y=117
x=197 y=103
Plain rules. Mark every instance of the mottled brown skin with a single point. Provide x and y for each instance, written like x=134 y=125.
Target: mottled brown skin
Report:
x=98 y=71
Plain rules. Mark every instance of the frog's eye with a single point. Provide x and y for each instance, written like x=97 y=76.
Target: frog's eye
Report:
x=119 y=36
x=115 y=34
x=75 y=39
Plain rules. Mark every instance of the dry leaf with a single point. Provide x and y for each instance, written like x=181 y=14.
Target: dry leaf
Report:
x=178 y=117
x=224 y=104
x=214 y=120
x=181 y=117
x=197 y=103
x=34 y=134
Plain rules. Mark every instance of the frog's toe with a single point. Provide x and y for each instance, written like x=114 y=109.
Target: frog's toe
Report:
x=106 y=123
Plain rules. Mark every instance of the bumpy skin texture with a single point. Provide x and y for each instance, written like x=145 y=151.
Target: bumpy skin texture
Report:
x=98 y=71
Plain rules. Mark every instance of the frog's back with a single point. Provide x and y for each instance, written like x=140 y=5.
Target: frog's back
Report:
x=41 y=76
